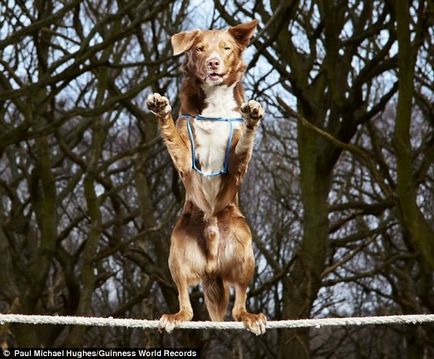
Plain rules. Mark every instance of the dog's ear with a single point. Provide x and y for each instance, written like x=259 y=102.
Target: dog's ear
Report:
x=242 y=33
x=183 y=41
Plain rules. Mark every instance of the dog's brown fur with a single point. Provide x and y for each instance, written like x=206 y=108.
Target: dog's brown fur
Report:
x=211 y=242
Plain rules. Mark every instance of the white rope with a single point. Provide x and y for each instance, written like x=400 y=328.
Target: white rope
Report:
x=153 y=324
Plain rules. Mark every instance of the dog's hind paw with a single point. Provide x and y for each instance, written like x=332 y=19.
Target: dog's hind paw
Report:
x=255 y=323
x=168 y=322
x=252 y=113
x=158 y=104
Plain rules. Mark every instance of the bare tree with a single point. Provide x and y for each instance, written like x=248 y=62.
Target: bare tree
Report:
x=84 y=179
x=339 y=193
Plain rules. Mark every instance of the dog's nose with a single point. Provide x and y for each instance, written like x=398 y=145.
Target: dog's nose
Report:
x=213 y=63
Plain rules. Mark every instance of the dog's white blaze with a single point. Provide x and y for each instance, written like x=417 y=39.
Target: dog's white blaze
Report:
x=211 y=137
x=215 y=55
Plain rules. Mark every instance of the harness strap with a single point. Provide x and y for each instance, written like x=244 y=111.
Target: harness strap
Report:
x=225 y=168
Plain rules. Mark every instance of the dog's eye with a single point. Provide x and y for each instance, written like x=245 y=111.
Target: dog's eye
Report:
x=199 y=49
x=227 y=48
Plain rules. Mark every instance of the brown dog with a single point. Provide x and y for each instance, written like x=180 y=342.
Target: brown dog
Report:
x=211 y=242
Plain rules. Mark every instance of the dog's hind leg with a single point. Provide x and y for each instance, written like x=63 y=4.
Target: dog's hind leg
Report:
x=186 y=264
x=243 y=262
x=168 y=322
x=253 y=322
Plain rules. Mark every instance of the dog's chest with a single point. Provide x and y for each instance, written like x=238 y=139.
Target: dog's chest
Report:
x=211 y=141
x=220 y=102
x=211 y=138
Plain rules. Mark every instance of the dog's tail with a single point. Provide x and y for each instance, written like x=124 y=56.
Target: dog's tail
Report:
x=216 y=297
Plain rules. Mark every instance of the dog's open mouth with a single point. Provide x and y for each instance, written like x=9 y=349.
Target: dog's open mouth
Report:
x=214 y=76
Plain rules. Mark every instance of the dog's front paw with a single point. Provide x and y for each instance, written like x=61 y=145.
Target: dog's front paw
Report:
x=159 y=105
x=253 y=113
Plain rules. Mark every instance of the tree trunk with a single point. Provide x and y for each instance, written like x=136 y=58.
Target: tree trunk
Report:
x=415 y=225
x=304 y=281
x=420 y=232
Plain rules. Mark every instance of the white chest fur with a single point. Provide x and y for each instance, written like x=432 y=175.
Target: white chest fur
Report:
x=211 y=138
x=220 y=101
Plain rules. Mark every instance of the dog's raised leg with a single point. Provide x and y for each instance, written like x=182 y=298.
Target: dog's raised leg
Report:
x=252 y=113
x=253 y=322
x=177 y=148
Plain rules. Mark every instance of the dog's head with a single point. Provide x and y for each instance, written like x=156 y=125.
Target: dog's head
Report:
x=215 y=56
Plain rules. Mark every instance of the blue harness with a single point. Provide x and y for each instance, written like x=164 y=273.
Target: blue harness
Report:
x=224 y=170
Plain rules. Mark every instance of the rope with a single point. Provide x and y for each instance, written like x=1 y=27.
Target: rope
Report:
x=153 y=324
